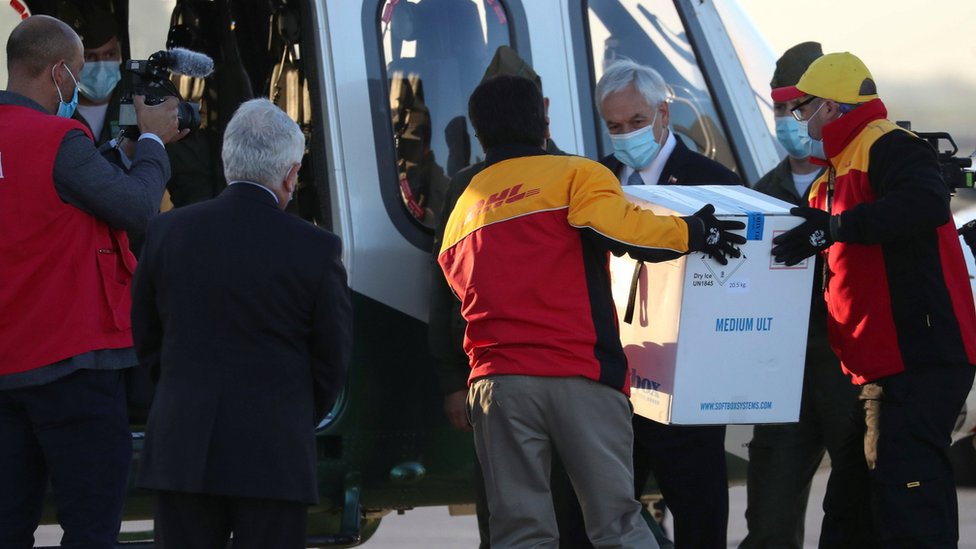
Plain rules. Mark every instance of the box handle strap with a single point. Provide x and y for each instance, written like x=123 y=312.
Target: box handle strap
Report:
x=632 y=297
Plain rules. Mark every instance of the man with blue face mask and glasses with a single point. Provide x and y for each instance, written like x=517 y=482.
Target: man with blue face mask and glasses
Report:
x=687 y=461
x=66 y=272
x=783 y=458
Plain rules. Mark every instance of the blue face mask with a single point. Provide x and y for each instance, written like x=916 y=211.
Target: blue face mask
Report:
x=638 y=148
x=788 y=134
x=98 y=79
x=66 y=110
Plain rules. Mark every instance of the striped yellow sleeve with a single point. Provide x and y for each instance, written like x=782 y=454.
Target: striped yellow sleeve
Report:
x=597 y=202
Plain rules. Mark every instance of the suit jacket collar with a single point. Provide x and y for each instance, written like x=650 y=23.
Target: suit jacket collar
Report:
x=679 y=157
x=250 y=192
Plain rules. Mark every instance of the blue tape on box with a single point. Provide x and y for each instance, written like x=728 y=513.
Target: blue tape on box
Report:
x=755 y=221
x=754 y=225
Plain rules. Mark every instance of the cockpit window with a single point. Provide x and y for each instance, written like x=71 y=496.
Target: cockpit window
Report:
x=435 y=53
x=650 y=32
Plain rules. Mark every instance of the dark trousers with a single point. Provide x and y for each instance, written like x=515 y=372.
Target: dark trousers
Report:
x=784 y=458
x=908 y=422
x=75 y=433
x=689 y=465
x=200 y=521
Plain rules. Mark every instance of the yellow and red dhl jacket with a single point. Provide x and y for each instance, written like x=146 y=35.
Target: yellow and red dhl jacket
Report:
x=526 y=250
x=897 y=290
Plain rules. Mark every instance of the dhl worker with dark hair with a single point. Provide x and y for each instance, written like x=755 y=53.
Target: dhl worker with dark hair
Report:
x=526 y=251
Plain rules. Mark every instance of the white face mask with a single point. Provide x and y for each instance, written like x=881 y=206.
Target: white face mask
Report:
x=803 y=132
x=803 y=129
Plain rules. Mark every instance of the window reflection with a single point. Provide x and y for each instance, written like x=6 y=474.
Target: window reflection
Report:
x=435 y=53
x=650 y=32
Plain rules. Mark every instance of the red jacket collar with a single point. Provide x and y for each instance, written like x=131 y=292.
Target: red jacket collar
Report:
x=839 y=133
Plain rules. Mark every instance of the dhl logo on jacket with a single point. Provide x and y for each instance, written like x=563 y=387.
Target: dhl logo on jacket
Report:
x=526 y=251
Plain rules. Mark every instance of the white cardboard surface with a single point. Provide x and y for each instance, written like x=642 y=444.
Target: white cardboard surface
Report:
x=714 y=344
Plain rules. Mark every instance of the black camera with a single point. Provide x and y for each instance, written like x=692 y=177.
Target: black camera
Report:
x=954 y=168
x=151 y=78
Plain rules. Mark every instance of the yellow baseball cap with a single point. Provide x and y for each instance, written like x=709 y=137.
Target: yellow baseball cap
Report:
x=840 y=77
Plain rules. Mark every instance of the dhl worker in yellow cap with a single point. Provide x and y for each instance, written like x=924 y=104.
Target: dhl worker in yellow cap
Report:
x=900 y=309
x=783 y=458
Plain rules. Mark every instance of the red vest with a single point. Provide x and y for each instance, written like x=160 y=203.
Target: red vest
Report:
x=64 y=275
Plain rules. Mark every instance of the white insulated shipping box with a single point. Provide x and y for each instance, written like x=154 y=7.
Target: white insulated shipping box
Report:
x=711 y=343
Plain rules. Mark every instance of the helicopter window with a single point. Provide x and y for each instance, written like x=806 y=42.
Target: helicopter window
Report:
x=650 y=32
x=435 y=53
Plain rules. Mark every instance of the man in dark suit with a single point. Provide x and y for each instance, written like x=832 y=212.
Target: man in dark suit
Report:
x=688 y=461
x=241 y=312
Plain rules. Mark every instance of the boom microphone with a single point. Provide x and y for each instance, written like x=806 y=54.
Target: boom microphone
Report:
x=150 y=78
x=184 y=61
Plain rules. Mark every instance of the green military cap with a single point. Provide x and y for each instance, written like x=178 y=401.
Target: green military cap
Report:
x=507 y=61
x=94 y=24
x=794 y=62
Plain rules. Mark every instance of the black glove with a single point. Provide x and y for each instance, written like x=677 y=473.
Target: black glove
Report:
x=968 y=233
x=804 y=240
x=718 y=240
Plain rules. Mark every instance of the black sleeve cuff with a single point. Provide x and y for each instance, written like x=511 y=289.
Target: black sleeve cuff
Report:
x=696 y=233
x=836 y=233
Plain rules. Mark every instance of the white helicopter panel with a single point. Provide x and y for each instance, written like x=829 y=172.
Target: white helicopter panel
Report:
x=373 y=247
x=553 y=61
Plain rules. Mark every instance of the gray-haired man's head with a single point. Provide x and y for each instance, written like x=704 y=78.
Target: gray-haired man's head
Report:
x=633 y=102
x=264 y=146
x=623 y=73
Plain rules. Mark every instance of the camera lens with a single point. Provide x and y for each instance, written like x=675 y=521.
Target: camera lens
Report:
x=189 y=116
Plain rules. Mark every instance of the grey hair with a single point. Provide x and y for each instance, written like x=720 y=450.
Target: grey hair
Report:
x=261 y=143
x=624 y=72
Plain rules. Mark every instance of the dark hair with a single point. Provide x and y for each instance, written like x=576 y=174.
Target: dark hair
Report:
x=507 y=110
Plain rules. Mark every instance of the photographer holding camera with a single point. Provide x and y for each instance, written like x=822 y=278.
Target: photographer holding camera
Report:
x=66 y=272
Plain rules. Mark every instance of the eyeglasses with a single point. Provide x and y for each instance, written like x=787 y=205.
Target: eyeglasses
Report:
x=796 y=111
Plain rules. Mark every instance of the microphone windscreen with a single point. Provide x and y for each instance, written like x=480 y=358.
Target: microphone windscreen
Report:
x=191 y=63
